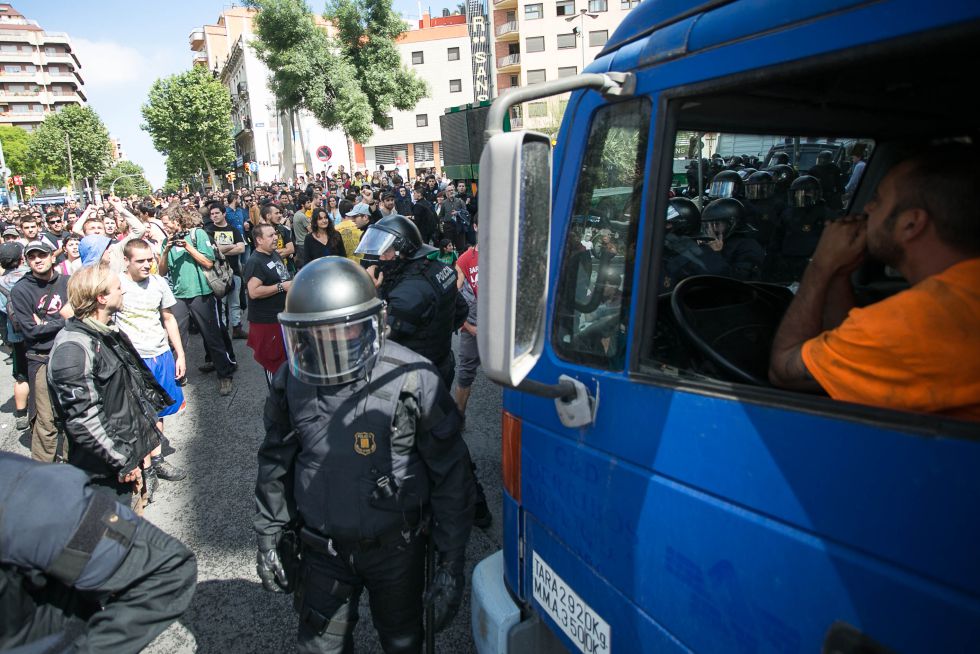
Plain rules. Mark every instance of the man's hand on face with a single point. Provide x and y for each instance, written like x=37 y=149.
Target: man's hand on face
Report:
x=842 y=246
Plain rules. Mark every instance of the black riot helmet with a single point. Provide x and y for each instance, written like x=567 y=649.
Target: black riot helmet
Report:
x=683 y=217
x=397 y=232
x=825 y=157
x=721 y=217
x=760 y=186
x=779 y=159
x=745 y=172
x=783 y=175
x=735 y=162
x=805 y=191
x=334 y=323
x=726 y=184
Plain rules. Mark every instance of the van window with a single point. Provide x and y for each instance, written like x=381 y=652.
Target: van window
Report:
x=595 y=279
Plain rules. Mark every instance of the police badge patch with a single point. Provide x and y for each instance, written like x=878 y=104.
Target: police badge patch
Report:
x=364 y=443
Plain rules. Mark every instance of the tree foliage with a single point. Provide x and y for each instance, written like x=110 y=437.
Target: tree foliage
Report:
x=16 y=142
x=134 y=183
x=349 y=81
x=91 y=151
x=188 y=117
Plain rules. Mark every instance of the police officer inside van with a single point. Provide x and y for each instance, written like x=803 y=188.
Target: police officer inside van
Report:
x=363 y=450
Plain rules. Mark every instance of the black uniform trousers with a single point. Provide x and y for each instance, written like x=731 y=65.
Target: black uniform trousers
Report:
x=206 y=312
x=330 y=591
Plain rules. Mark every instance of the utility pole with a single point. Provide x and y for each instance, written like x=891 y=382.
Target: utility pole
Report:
x=4 y=174
x=580 y=17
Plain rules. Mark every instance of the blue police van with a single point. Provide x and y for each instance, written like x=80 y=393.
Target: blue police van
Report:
x=659 y=494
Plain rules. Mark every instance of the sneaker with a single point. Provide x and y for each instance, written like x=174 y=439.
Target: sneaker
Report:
x=22 y=423
x=239 y=333
x=182 y=381
x=482 y=517
x=152 y=481
x=207 y=367
x=169 y=472
x=224 y=386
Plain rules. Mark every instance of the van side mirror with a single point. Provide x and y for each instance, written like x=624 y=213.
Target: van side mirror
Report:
x=515 y=235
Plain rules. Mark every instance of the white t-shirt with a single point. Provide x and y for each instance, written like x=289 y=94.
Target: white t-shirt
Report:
x=140 y=315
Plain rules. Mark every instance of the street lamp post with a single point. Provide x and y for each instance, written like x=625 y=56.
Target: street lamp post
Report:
x=580 y=17
x=112 y=185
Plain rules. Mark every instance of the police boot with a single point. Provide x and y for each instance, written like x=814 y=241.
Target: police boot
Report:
x=152 y=481
x=482 y=517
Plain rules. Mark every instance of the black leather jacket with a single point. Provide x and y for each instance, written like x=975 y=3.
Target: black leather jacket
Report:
x=105 y=398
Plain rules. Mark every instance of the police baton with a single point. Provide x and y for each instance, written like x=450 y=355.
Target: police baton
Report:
x=430 y=610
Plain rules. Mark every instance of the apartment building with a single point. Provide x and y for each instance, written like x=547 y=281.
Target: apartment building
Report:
x=269 y=145
x=39 y=72
x=540 y=40
x=117 y=149
x=438 y=50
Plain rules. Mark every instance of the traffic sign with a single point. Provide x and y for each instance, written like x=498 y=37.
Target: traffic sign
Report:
x=18 y=181
x=323 y=153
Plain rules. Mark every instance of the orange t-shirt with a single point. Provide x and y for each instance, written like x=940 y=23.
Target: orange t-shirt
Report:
x=918 y=350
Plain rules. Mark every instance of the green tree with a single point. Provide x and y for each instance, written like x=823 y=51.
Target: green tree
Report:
x=349 y=81
x=188 y=117
x=129 y=179
x=91 y=151
x=16 y=142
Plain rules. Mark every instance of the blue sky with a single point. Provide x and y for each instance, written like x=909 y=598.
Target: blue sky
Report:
x=125 y=45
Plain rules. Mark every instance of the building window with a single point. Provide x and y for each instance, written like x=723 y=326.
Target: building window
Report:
x=424 y=153
x=534 y=44
x=567 y=71
x=566 y=41
x=11 y=68
x=453 y=54
x=598 y=6
x=628 y=4
x=388 y=123
x=533 y=12
x=515 y=80
x=417 y=58
x=421 y=120
x=598 y=38
x=537 y=109
x=455 y=86
x=536 y=76
x=565 y=7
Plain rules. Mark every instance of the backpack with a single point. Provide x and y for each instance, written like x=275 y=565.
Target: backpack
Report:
x=220 y=277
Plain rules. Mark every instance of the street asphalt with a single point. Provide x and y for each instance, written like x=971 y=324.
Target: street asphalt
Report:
x=215 y=439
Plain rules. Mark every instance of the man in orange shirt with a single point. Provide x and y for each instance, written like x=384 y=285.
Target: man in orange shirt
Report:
x=918 y=350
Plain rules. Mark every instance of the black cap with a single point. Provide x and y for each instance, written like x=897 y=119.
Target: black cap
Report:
x=37 y=245
x=11 y=254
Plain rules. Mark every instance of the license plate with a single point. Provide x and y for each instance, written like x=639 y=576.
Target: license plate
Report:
x=581 y=624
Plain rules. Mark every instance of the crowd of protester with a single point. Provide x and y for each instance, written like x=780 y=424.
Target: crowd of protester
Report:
x=166 y=248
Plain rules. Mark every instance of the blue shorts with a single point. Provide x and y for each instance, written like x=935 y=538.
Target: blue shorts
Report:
x=162 y=368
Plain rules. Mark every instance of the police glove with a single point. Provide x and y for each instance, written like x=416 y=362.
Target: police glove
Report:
x=270 y=571
x=446 y=593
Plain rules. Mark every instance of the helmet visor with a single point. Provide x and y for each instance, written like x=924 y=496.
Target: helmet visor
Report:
x=334 y=354
x=803 y=197
x=722 y=189
x=375 y=243
x=760 y=190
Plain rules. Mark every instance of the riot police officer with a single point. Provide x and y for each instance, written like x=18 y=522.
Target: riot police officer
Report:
x=723 y=223
x=78 y=571
x=801 y=225
x=762 y=206
x=423 y=302
x=684 y=255
x=831 y=180
x=363 y=450
x=424 y=307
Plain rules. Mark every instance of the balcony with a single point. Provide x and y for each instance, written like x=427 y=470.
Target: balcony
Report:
x=201 y=59
x=196 y=40
x=509 y=64
x=22 y=57
x=505 y=4
x=508 y=31
x=21 y=117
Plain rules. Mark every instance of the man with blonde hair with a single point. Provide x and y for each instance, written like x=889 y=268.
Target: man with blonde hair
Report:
x=105 y=398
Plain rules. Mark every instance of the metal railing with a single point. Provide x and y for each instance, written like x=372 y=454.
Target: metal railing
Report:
x=509 y=60
x=507 y=28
